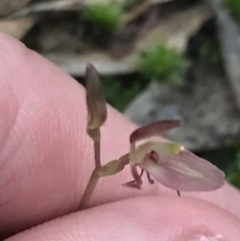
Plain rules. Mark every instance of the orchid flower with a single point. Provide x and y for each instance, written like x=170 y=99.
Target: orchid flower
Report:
x=169 y=163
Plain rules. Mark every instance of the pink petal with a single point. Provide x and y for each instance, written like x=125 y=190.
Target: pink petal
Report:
x=184 y=172
x=153 y=129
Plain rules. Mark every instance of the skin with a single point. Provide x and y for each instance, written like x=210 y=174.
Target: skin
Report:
x=46 y=159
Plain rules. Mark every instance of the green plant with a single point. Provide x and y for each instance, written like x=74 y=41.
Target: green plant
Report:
x=104 y=16
x=162 y=63
x=234 y=8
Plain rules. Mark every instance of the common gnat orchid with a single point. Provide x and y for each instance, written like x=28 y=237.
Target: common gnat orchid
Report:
x=166 y=162
x=169 y=163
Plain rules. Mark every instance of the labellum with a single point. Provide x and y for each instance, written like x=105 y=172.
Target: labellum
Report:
x=169 y=163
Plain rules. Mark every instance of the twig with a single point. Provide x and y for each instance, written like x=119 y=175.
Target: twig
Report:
x=94 y=176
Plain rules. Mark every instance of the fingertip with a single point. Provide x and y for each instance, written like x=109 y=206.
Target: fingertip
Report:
x=10 y=46
x=46 y=157
x=144 y=218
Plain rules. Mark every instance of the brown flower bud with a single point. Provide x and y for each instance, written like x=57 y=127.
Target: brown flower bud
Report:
x=96 y=103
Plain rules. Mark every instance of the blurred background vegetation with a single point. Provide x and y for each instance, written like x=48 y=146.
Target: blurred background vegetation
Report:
x=132 y=43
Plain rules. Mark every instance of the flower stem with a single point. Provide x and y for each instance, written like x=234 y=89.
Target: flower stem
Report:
x=97 y=153
x=94 y=176
x=89 y=189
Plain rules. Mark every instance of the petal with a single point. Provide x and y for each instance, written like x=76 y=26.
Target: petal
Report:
x=162 y=148
x=184 y=172
x=153 y=129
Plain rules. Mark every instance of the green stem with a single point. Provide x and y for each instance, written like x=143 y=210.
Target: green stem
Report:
x=89 y=190
x=94 y=177
x=97 y=154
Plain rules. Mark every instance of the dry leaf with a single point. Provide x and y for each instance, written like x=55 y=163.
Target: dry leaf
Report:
x=104 y=63
x=176 y=29
x=16 y=27
x=9 y=6
x=166 y=31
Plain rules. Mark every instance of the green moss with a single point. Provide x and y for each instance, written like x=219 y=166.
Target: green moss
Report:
x=162 y=63
x=234 y=8
x=107 y=17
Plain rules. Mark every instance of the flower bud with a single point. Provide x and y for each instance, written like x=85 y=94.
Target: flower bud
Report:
x=96 y=103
